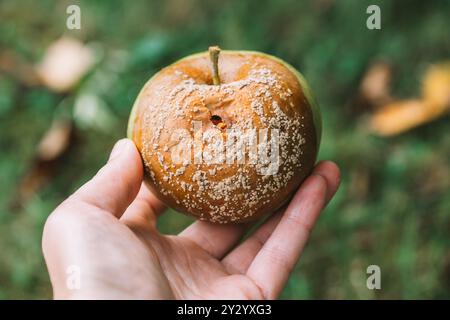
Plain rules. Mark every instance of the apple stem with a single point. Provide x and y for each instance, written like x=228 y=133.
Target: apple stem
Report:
x=214 y=52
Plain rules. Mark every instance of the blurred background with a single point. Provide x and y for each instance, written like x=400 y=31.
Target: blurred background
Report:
x=65 y=97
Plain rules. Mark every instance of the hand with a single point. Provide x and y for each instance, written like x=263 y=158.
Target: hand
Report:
x=107 y=229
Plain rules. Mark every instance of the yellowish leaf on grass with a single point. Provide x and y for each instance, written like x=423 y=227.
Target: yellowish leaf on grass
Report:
x=401 y=116
x=376 y=83
x=55 y=141
x=436 y=85
x=15 y=65
x=65 y=62
x=50 y=151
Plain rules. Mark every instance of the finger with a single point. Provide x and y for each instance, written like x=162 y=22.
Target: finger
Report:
x=238 y=260
x=146 y=208
x=216 y=239
x=116 y=185
x=330 y=171
x=274 y=262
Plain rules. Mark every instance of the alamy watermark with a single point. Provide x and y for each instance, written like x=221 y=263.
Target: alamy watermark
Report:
x=373 y=22
x=73 y=21
x=374 y=279
x=258 y=147
x=73 y=280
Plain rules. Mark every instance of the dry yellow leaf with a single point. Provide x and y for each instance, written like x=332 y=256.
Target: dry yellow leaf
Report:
x=401 y=116
x=436 y=85
x=376 y=83
x=65 y=62
x=56 y=140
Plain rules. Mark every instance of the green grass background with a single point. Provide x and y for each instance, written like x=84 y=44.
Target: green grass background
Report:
x=393 y=207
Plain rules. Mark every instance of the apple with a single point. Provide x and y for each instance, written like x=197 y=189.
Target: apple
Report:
x=226 y=136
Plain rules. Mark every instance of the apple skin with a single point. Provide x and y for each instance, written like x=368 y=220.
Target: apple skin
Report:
x=317 y=116
x=316 y=120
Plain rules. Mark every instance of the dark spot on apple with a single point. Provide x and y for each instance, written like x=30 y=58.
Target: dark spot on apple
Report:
x=215 y=119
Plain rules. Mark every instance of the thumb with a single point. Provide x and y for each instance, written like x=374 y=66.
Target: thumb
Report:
x=115 y=185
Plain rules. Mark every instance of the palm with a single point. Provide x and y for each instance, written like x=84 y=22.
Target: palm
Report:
x=110 y=234
x=193 y=273
x=132 y=254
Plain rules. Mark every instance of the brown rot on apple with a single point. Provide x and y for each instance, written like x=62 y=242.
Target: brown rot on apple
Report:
x=226 y=136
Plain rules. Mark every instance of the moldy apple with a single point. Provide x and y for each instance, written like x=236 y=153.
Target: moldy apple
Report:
x=228 y=136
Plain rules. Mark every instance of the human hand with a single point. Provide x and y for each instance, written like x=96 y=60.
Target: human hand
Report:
x=107 y=229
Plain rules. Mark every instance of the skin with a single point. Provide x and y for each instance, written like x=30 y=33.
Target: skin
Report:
x=107 y=228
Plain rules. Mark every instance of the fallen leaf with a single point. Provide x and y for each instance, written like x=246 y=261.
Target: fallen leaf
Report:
x=52 y=147
x=374 y=88
x=65 y=62
x=14 y=65
x=55 y=141
x=375 y=85
x=436 y=85
x=401 y=116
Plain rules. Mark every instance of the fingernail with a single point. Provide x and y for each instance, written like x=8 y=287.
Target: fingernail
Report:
x=118 y=149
